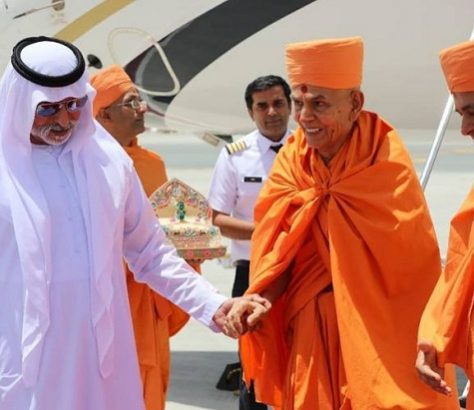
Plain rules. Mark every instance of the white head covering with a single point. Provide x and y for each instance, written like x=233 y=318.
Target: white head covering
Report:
x=21 y=191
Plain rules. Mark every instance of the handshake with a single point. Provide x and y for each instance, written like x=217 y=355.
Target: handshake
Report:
x=239 y=315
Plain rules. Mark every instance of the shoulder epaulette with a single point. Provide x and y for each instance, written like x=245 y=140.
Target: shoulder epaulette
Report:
x=236 y=146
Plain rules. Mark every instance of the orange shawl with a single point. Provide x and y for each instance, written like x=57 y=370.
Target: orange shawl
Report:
x=363 y=226
x=446 y=321
x=154 y=318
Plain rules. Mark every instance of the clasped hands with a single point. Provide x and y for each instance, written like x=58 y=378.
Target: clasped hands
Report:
x=237 y=316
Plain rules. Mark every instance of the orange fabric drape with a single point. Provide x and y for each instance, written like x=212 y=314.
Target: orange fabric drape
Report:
x=447 y=319
x=154 y=318
x=359 y=230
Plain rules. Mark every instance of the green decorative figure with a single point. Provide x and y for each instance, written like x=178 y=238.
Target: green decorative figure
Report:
x=180 y=211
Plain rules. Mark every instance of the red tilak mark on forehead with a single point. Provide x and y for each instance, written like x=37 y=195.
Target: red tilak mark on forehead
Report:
x=304 y=88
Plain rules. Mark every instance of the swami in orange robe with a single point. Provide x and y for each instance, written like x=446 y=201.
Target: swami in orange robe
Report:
x=354 y=238
x=154 y=318
x=446 y=324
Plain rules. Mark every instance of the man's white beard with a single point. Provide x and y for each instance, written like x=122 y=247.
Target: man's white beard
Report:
x=44 y=133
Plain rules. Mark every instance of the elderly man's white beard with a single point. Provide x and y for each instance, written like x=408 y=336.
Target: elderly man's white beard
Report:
x=44 y=133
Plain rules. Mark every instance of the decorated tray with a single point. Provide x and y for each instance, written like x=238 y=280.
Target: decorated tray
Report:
x=184 y=215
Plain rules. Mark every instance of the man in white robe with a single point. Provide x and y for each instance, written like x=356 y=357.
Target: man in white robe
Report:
x=71 y=205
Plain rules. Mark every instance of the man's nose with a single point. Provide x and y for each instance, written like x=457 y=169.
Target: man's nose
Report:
x=143 y=107
x=467 y=127
x=62 y=117
x=306 y=114
x=271 y=110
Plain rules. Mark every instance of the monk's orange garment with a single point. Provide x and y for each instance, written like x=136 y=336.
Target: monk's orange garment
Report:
x=357 y=239
x=154 y=318
x=448 y=317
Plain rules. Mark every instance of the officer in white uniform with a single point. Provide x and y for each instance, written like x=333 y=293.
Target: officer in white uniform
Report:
x=239 y=174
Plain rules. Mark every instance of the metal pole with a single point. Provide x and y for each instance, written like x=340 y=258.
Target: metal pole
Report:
x=448 y=109
x=443 y=123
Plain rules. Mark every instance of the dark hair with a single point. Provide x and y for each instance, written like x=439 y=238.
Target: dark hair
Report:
x=264 y=83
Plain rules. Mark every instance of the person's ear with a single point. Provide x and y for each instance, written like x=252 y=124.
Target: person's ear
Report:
x=249 y=110
x=103 y=115
x=357 y=100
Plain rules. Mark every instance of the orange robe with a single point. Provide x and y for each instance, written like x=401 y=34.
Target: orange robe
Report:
x=447 y=319
x=154 y=318
x=358 y=241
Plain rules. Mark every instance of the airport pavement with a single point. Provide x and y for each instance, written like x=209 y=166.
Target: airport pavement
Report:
x=198 y=355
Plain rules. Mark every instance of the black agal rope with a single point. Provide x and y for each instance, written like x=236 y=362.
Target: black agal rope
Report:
x=42 y=79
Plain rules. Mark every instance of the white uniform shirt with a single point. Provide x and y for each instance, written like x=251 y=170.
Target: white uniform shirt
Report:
x=69 y=376
x=237 y=180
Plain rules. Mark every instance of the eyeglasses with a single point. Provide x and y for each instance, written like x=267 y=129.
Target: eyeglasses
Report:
x=133 y=104
x=48 y=109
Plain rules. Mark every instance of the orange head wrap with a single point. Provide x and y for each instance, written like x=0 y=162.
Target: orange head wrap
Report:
x=335 y=63
x=110 y=83
x=458 y=66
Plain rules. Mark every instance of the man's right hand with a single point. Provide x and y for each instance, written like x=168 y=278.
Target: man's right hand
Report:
x=428 y=370
x=245 y=314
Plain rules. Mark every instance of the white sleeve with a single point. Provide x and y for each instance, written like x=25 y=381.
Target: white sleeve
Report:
x=157 y=264
x=223 y=190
